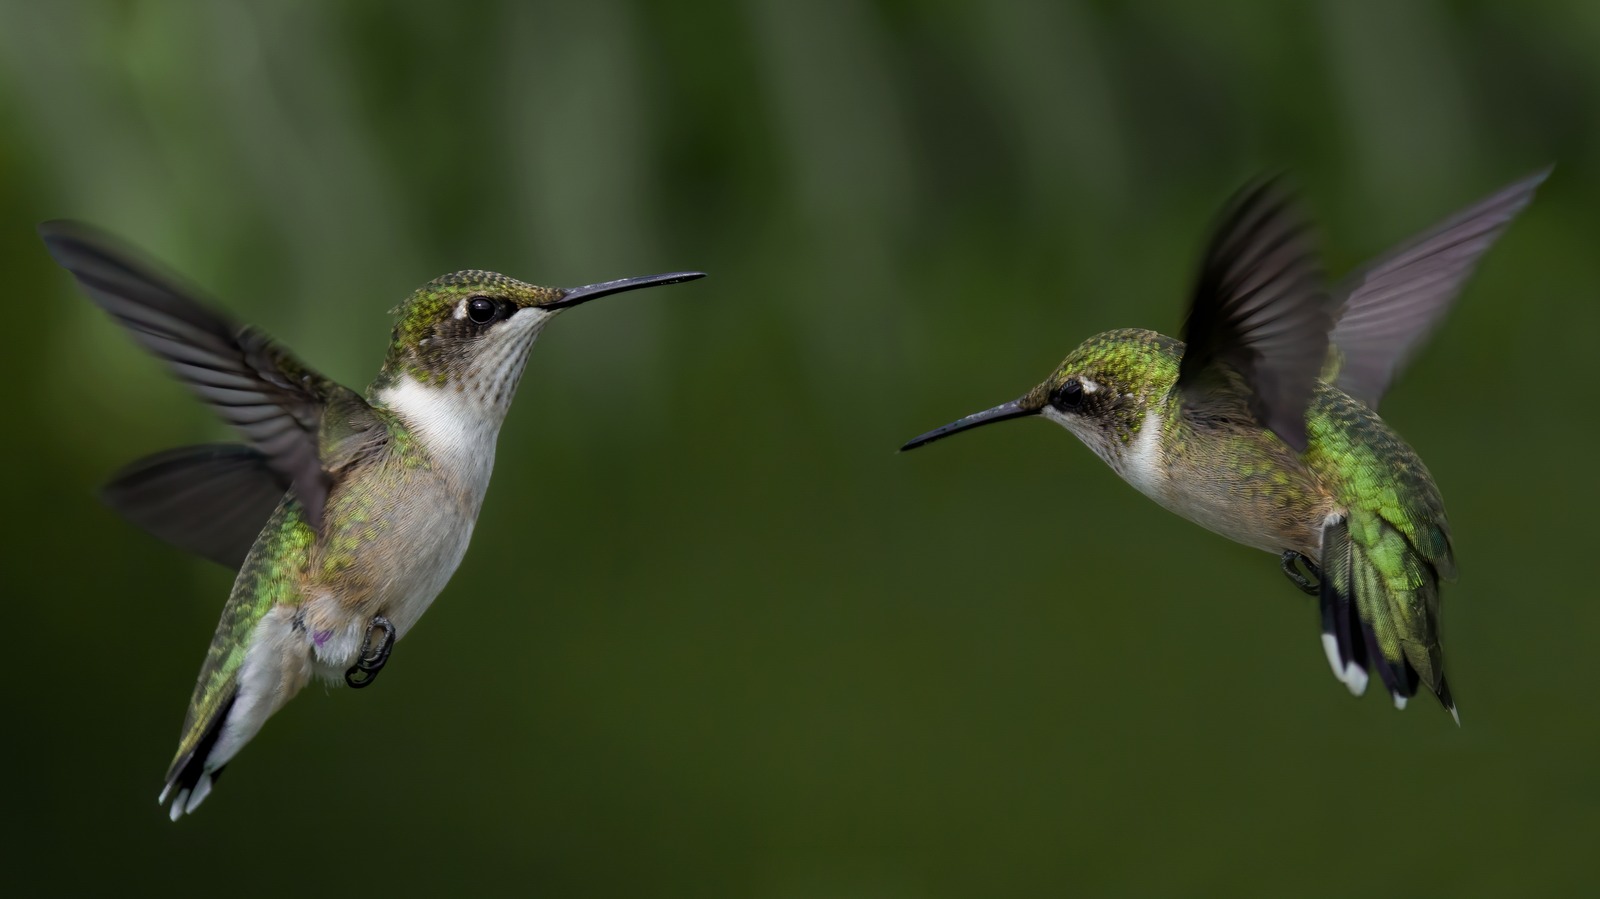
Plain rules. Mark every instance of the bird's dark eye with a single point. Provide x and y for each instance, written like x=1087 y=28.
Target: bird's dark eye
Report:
x=481 y=310
x=1069 y=396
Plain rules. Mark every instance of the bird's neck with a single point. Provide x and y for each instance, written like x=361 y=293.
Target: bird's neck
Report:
x=454 y=429
x=1141 y=454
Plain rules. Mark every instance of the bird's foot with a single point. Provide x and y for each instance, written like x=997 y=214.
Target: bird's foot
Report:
x=372 y=658
x=1291 y=561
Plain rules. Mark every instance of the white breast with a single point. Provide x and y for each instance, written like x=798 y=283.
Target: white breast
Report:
x=458 y=433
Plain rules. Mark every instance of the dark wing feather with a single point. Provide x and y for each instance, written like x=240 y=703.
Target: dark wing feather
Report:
x=1260 y=312
x=211 y=500
x=1393 y=304
x=252 y=383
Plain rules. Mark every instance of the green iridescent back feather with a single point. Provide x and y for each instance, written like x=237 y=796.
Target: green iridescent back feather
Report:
x=1379 y=475
x=1399 y=535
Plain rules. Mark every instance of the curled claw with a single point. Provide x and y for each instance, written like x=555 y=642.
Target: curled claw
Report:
x=1312 y=585
x=372 y=658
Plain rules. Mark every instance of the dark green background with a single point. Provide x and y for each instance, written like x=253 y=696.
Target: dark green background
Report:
x=713 y=637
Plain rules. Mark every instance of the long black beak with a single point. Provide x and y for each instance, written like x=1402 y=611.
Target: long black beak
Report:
x=576 y=295
x=1002 y=412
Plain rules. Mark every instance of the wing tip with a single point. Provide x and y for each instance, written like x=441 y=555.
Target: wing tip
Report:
x=59 y=235
x=1516 y=196
x=1539 y=175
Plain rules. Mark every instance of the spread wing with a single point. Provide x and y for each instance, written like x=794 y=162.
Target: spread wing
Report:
x=1259 y=317
x=1393 y=304
x=211 y=500
x=277 y=403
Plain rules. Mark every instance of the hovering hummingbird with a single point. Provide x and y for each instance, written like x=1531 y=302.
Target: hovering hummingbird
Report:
x=344 y=513
x=1261 y=425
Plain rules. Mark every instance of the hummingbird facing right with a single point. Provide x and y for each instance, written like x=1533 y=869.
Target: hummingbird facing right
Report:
x=345 y=514
x=1262 y=425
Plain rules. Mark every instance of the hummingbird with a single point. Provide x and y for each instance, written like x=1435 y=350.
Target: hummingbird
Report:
x=1261 y=424
x=344 y=513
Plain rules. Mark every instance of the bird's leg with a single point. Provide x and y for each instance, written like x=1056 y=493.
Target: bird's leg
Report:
x=1310 y=586
x=372 y=658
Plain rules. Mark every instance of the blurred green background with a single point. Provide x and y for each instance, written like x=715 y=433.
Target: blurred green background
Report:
x=714 y=637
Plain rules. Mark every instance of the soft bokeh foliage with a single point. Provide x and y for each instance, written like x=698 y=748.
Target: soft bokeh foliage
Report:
x=714 y=638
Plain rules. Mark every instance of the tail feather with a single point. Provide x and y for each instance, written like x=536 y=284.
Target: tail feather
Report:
x=1380 y=610
x=1448 y=700
x=1360 y=653
x=1341 y=627
x=189 y=774
x=1392 y=675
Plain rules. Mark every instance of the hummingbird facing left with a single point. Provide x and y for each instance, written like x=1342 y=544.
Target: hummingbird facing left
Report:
x=1262 y=425
x=344 y=513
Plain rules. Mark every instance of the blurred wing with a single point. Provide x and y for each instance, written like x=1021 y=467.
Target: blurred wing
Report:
x=252 y=383
x=1393 y=304
x=211 y=500
x=1259 y=311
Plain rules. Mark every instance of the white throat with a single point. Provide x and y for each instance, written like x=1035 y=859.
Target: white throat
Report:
x=455 y=431
x=458 y=422
x=1139 y=462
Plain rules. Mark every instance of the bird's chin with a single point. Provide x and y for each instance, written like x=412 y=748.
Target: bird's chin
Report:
x=530 y=319
x=1074 y=423
x=516 y=336
x=1088 y=432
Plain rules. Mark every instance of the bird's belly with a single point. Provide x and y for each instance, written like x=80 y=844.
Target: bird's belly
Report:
x=397 y=572
x=1264 y=508
x=425 y=572
x=1263 y=526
